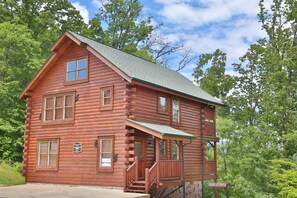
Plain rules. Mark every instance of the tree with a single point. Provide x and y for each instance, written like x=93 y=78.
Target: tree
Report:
x=213 y=79
x=119 y=24
x=20 y=58
x=47 y=19
x=125 y=29
x=278 y=68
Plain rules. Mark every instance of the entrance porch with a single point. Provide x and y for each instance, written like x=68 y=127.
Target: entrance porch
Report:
x=154 y=156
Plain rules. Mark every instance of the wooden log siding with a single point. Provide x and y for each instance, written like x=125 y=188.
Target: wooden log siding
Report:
x=210 y=167
x=89 y=122
x=210 y=122
x=146 y=109
x=27 y=135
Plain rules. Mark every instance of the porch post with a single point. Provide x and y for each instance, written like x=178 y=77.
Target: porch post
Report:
x=157 y=151
x=183 y=172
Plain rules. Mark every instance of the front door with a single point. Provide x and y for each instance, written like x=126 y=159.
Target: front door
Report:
x=140 y=152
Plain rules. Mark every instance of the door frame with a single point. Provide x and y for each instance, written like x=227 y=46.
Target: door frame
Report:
x=142 y=162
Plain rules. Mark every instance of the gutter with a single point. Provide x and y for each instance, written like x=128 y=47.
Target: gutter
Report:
x=202 y=152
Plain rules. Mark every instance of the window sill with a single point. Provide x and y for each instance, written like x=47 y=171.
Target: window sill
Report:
x=163 y=112
x=105 y=170
x=106 y=108
x=73 y=82
x=47 y=123
x=42 y=169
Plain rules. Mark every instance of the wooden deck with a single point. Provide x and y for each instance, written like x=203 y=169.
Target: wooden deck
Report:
x=164 y=172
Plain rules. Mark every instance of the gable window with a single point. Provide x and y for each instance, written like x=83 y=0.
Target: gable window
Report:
x=174 y=151
x=106 y=98
x=77 y=71
x=105 y=153
x=175 y=111
x=162 y=104
x=48 y=154
x=59 y=108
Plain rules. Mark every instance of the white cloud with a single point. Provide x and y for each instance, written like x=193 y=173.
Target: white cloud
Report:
x=207 y=25
x=99 y=3
x=189 y=14
x=82 y=10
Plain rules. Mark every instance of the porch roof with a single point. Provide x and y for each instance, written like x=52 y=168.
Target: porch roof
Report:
x=159 y=130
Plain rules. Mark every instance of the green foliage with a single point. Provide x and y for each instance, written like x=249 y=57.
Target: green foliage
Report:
x=126 y=30
x=20 y=57
x=284 y=177
x=213 y=79
x=10 y=176
x=47 y=19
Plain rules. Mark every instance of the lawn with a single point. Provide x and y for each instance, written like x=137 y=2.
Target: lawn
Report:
x=10 y=176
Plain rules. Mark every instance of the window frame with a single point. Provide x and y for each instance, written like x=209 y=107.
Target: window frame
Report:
x=76 y=81
x=101 y=169
x=171 y=148
x=58 y=121
x=104 y=107
x=165 y=149
x=176 y=123
x=47 y=168
x=160 y=110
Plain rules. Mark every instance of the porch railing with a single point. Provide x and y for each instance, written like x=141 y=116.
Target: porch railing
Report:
x=131 y=174
x=170 y=169
x=210 y=167
x=151 y=176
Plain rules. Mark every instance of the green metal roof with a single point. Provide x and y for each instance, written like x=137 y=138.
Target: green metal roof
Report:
x=142 y=70
x=164 y=130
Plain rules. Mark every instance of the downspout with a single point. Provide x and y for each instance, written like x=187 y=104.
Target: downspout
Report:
x=202 y=151
x=183 y=168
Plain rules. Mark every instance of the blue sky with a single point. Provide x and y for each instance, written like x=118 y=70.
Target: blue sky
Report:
x=201 y=25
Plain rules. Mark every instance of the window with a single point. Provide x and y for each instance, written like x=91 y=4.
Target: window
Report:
x=106 y=101
x=59 y=108
x=175 y=111
x=174 y=151
x=162 y=104
x=162 y=149
x=48 y=154
x=77 y=71
x=105 y=152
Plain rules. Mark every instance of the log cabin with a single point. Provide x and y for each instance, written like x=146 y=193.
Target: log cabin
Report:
x=96 y=115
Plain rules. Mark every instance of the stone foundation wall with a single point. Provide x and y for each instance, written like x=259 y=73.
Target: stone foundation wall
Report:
x=193 y=190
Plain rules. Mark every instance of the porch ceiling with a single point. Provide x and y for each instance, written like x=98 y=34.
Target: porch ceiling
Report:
x=159 y=130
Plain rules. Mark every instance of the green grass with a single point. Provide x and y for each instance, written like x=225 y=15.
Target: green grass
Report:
x=10 y=176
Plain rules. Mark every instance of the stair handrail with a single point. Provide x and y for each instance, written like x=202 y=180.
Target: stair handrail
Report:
x=151 y=176
x=131 y=173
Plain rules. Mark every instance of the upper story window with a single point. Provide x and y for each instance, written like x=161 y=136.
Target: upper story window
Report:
x=106 y=98
x=47 y=154
x=58 y=108
x=77 y=71
x=162 y=104
x=175 y=111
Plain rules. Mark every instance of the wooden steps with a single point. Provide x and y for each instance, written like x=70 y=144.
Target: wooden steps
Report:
x=137 y=187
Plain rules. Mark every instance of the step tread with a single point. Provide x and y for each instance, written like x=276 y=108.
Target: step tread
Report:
x=138 y=182
x=134 y=190
x=136 y=186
